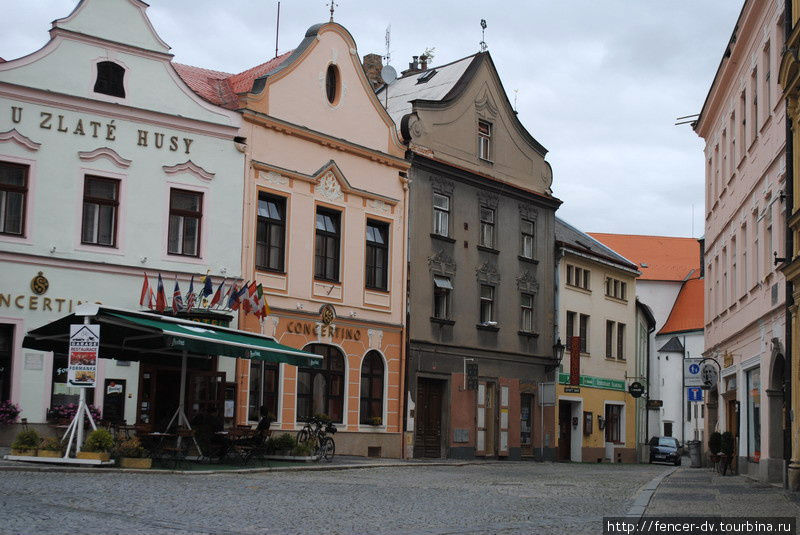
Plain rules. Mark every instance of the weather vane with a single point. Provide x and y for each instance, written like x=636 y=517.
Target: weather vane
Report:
x=484 y=46
x=333 y=5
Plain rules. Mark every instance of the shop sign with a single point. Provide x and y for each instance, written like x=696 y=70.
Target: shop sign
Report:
x=84 y=345
x=472 y=375
x=572 y=390
x=39 y=285
x=653 y=404
x=589 y=381
x=636 y=389
x=107 y=130
x=325 y=328
x=727 y=360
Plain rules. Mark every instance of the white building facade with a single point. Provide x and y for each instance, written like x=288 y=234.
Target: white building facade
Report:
x=110 y=166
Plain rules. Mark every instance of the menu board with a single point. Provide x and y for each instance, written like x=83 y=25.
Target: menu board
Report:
x=84 y=345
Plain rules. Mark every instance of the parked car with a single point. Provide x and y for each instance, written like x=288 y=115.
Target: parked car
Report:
x=665 y=450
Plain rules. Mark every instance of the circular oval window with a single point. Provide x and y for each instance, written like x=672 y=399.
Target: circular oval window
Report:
x=332 y=84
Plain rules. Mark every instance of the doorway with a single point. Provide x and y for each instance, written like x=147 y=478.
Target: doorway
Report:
x=491 y=419
x=564 y=430
x=428 y=438
x=114 y=400
x=526 y=424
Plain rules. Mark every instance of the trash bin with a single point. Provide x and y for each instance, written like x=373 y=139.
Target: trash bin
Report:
x=695 y=453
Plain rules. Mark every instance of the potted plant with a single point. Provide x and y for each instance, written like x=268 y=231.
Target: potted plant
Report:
x=301 y=450
x=284 y=444
x=376 y=421
x=26 y=443
x=98 y=445
x=50 y=447
x=726 y=450
x=8 y=413
x=131 y=454
x=715 y=445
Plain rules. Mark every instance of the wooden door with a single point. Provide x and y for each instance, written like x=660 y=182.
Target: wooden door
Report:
x=428 y=421
x=526 y=424
x=564 y=431
x=491 y=419
x=731 y=417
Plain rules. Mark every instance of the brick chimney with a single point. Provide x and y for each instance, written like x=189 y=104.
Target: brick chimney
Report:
x=423 y=62
x=372 y=68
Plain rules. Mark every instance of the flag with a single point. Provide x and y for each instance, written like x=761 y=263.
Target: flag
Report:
x=190 y=297
x=161 y=297
x=151 y=300
x=250 y=304
x=207 y=288
x=177 y=300
x=218 y=295
x=145 y=290
x=226 y=297
x=233 y=298
x=263 y=307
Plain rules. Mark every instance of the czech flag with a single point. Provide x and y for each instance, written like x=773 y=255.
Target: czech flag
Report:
x=161 y=297
x=218 y=295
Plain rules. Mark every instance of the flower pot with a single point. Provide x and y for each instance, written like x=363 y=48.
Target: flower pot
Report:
x=49 y=453
x=142 y=463
x=23 y=452
x=94 y=455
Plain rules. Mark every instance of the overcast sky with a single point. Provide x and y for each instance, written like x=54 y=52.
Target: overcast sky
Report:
x=599 y=83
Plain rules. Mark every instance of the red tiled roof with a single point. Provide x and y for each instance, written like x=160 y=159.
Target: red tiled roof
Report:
x=660 y=258
x=687 y=311
x=221 y=88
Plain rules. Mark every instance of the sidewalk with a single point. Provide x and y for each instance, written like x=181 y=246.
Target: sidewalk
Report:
x=703 y=492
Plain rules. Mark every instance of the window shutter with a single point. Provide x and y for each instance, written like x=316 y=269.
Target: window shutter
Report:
x=503 y=449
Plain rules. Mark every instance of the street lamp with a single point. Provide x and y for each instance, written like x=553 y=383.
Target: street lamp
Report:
x=558 y=351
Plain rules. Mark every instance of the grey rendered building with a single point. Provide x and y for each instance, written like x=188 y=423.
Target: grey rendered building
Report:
x=481 y=265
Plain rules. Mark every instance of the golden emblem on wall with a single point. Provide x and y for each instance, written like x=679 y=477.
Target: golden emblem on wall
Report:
x=39 y=284
x=327 y=313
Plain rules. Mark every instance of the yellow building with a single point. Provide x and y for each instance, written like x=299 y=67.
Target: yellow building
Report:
x=596 y=416
x=789 y=78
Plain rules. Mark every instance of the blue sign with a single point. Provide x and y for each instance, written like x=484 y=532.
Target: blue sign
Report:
x=694 y=369
x=694 y=393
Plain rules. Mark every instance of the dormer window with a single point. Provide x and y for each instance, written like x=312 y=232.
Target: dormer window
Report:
x=332 y=84
x=110 y=77
x=485 y=140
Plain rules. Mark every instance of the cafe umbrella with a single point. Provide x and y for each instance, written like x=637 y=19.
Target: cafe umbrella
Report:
x=132 y=335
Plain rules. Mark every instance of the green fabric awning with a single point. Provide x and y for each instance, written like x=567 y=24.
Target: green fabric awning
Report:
x=134 y=335
x=207 y=339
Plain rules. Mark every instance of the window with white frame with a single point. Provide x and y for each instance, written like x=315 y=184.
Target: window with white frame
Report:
x=527 y=230
x=487 y=227
x=13 y=196
x=485 y=140
x=526 y=309
x=185 y=217
x=441 y=214
x=442 y=288
x=487 y=304
x=100 y=203
x=614 y=423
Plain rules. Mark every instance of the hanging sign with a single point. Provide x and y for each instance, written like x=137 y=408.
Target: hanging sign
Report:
x=636 y=389
x=710 y=375
x=575 y=361
x=84 y=345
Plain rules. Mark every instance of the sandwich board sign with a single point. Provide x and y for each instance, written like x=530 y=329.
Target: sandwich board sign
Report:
x=84 y=346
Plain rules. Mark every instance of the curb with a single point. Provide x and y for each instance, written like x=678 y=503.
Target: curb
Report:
x=644 y=496
x=324 y=468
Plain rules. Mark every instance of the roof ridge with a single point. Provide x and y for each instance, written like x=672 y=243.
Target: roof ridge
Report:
x=431 y=67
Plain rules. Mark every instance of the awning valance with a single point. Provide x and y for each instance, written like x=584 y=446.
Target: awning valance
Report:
x=130 y=335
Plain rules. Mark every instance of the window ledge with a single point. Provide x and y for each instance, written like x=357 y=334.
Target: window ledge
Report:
x=442 y=321
x=442 y=238
x=485 y=160
x=377 y=290
x=529 y=260
x=766 y=123
x=491 y=328
x=578 y=289
x=617 y=299
x=272 y=271
x=488 y=249
x=529 y=334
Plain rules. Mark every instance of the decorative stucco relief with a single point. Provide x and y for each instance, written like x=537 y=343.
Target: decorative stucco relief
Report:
x=329 y=187
x=108 y=153
x=488 y=199
x=527 y=282
x=488 y=273
x=24 y=142
x=189 y=167
x=527 y=211
x=274 y=178
x=375 y=338
x=377 y=205
x=441 y=262
x=486 y=105
x=442 y=185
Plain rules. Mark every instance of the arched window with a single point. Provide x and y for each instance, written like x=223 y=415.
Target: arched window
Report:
x=332 y=84
x=372 y=388
x=110 y=78
x=321 y=390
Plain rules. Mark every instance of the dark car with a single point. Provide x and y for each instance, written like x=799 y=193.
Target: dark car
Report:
x=665 y=450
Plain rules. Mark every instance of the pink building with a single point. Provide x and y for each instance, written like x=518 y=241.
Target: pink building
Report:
x=743 y=125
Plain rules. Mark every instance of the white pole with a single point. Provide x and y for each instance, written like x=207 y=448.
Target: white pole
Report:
x=182 y=415
x=79 y=419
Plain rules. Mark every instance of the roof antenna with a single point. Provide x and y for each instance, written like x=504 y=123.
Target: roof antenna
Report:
x=515 y=99
x=277 y=29
x=387 y=57
x=484 y=46
x=333 y=5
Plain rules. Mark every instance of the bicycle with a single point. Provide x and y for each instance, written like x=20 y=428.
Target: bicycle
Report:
x=314 y=434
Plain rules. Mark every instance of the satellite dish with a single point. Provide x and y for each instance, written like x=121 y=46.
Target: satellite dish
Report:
x=388 y=74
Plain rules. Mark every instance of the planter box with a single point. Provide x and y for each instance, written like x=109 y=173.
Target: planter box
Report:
x=23 y=452
x=141 y=463
x=276 y=457
x=94 y=455
x=49 y=453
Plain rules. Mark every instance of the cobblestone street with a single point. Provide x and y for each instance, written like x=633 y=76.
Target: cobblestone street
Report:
x=487 y=498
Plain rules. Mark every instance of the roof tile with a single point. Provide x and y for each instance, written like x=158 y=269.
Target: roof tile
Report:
x=662 y=258
x=687 y=311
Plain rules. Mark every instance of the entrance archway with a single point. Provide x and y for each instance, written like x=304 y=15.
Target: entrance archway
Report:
x=775 y=406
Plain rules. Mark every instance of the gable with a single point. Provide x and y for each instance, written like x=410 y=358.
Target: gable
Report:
x=296 y=92
x=121 y=21
x=449 y=128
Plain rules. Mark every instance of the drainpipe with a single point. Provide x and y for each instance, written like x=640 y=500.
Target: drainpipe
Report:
x=788 y=254
x=405 y=344
x=647 y=380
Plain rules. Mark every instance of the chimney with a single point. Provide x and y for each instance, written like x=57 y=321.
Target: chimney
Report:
x=423 y=63
x=413 y=67
x=372 y=68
